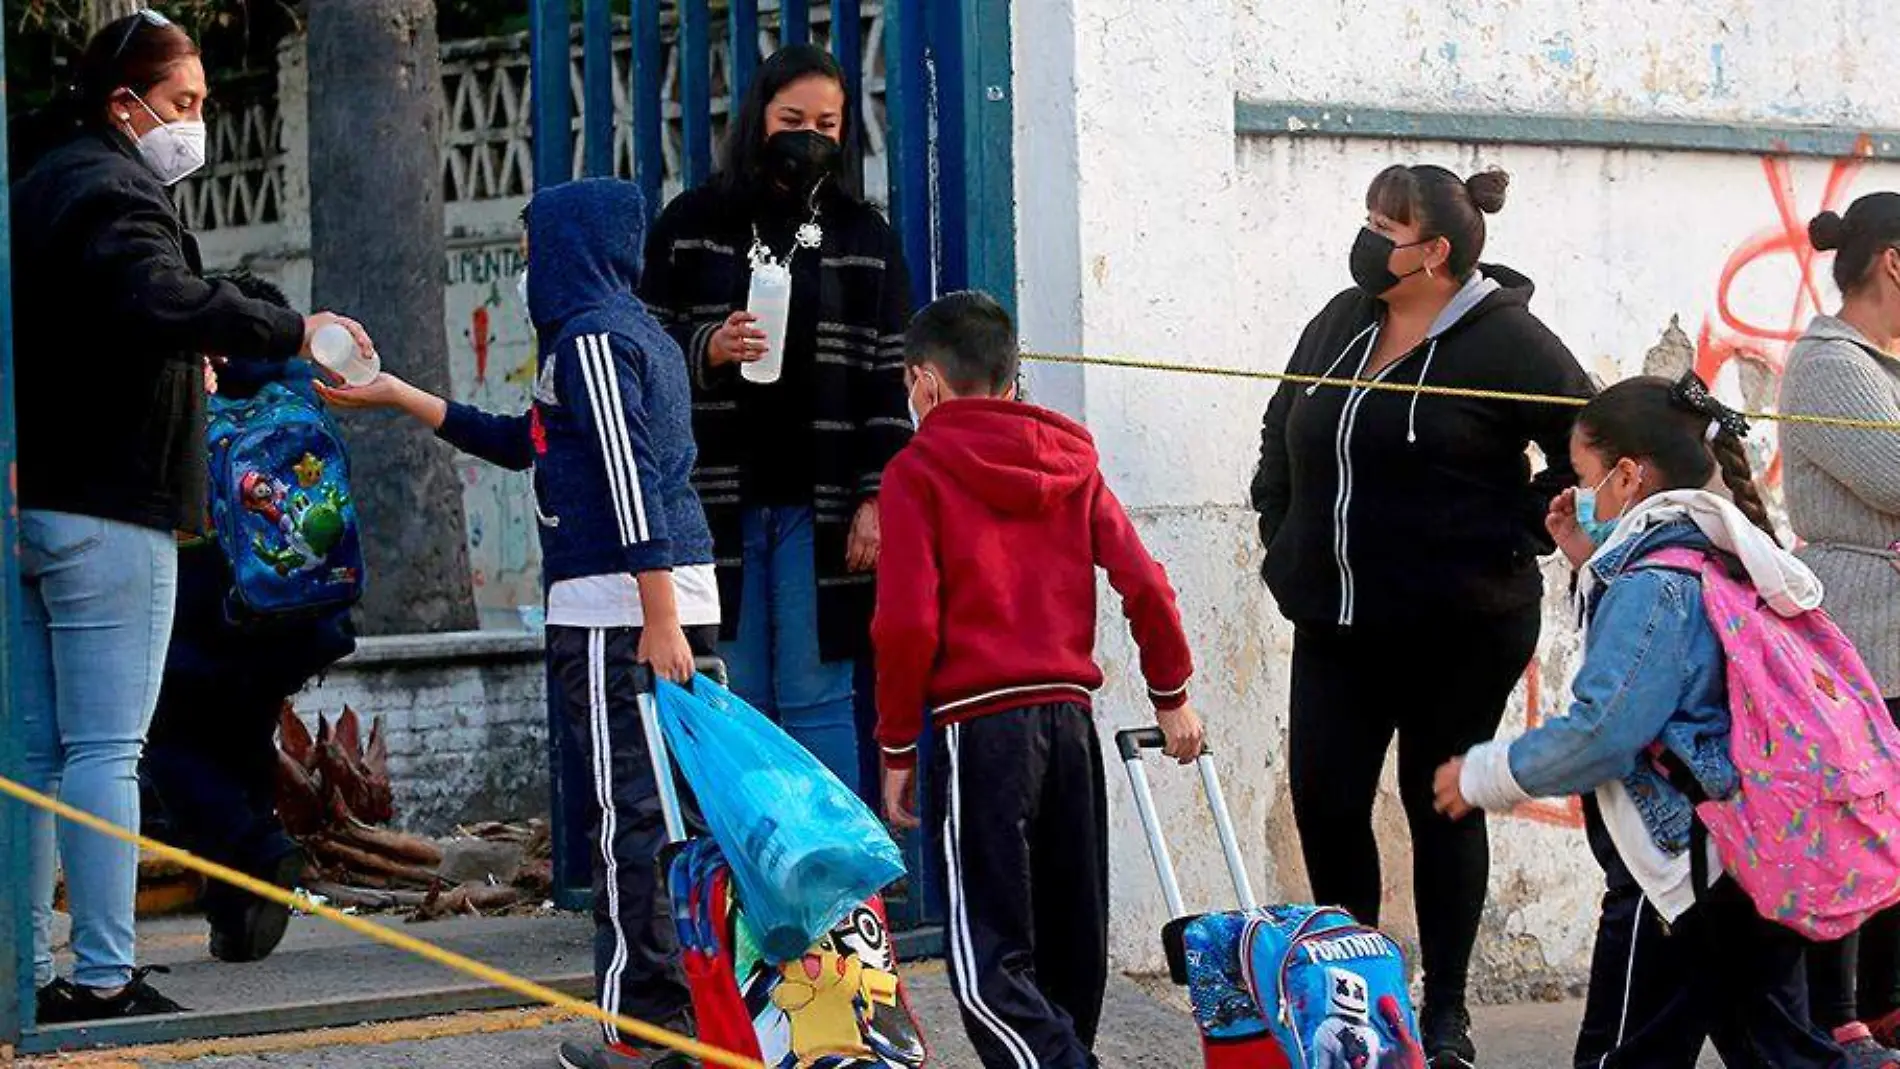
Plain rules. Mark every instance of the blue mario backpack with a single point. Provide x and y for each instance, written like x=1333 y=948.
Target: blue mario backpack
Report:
x=281 y=508
x=1333 y=991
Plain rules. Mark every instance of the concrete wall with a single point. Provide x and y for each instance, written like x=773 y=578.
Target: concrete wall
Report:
x=465 y=716
x=1150 y=227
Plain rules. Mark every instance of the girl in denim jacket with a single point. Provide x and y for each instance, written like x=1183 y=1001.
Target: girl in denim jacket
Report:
x=1674 y=966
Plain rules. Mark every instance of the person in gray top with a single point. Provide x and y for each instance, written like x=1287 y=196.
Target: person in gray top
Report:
x=1843 y=489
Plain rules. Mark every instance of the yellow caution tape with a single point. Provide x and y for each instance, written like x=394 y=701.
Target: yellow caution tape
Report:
x=1130 y=364
x=641 y=1030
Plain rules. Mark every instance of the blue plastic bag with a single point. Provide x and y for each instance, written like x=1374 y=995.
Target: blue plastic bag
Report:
x=804 y=850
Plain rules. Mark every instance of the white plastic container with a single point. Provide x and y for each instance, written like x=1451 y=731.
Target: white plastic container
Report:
x=770 y=299
x=334 y=347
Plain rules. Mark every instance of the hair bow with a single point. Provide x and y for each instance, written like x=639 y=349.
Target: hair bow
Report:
x=1693 y=394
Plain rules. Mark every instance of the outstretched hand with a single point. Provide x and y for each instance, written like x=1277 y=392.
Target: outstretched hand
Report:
x=383 y=391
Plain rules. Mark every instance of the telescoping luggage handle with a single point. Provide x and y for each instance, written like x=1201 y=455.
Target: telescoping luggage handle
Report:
x=643 y=680
x=1131 y=742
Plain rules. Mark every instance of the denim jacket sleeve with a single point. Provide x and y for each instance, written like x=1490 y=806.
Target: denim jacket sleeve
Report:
x=1630 y=684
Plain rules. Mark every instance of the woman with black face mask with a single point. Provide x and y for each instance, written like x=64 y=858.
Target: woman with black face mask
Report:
x=1402 y=533
x=789 y=470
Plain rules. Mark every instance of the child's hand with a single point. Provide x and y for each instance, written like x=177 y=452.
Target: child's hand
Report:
x=664 y=649
x=1561 y=522
x=383 y=391
x=1185 y=734
x=1447 y=795
x=900 y=798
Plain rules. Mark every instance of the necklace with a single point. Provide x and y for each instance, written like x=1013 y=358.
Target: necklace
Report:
x=808 y=236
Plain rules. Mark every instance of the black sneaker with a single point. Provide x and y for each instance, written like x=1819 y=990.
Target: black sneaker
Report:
x=53 y=1001
x=245 y=927
x=1448 y=1037
x=138 y=999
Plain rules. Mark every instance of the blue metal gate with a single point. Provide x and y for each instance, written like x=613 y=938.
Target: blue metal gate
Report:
x=946 y=122
x=946 y=130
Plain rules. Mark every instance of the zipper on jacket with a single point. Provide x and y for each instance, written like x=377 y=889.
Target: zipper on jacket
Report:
x=1342 y=497
x=1342 y=502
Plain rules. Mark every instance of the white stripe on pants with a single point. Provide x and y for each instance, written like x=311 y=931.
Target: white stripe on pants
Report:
x=962 y=951
x=604 y=794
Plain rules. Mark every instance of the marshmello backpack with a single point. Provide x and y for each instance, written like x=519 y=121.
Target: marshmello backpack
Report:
x=1332 y=990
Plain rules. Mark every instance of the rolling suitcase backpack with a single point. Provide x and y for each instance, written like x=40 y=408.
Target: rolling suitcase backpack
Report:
x=839 y=1006
x=1282 y=986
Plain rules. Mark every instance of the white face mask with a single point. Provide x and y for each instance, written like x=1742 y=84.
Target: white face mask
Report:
x=910 y=398
x=173 y=150
x=521 y=289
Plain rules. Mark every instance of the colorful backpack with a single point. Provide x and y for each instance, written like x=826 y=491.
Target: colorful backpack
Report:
x=1813 y=834
x=840 y=1006
x=280 y=504
x=1234 y=1034
x=1333 y=991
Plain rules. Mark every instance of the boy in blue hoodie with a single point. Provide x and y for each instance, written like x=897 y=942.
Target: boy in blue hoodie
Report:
x=626 y=556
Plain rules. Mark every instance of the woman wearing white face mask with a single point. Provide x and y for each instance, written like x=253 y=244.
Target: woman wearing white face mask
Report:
x=114 y=323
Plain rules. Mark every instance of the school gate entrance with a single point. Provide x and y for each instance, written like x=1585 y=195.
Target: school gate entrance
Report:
x=932 y=80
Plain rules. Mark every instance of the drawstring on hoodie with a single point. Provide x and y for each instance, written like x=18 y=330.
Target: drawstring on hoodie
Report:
x=1411 y=416
x=1347 y=351
x=1425 y=370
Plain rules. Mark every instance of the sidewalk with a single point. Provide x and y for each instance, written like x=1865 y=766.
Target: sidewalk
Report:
x=1146 y=1025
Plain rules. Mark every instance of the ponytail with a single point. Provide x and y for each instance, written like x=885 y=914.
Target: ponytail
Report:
x=1731 y=458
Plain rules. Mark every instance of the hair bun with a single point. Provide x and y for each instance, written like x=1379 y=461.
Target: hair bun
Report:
x=1487 y=190
x=1826 y=231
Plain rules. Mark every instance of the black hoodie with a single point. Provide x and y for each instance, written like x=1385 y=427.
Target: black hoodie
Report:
x=112 y=320
x=1382 y=507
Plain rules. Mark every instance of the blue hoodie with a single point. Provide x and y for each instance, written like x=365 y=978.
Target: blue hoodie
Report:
x=610 y=434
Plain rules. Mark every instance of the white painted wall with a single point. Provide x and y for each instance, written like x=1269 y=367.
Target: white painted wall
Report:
x=1719 y=60
x=1147 y=227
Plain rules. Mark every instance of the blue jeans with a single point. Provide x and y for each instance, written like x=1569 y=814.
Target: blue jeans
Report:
x=98 y=617
x=774 y=661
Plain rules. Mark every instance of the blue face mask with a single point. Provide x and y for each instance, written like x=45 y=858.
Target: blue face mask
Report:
x=1598 y=531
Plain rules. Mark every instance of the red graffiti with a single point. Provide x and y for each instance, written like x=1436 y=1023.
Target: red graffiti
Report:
x=480 y=338
x=1567 y=813
x=1728 y=336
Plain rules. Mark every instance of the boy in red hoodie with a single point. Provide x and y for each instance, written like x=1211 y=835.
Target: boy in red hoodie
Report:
x=994 y=519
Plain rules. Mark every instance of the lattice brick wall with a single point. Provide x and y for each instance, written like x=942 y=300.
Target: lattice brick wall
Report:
x=487 y=120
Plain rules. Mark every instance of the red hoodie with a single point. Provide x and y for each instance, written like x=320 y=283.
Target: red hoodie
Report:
x=994 y=520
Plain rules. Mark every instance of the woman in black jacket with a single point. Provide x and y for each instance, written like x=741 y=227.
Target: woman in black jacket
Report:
x=1402 y=534
x=114 y=324
x=789 y=472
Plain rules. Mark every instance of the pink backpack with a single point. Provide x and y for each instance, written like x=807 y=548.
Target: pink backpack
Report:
x=1813 y=835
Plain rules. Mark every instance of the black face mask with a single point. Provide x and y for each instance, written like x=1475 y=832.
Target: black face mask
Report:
x=797 y=161
x=1372 y=262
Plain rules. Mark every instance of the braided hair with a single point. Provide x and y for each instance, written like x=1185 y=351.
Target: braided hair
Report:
x=1681 y=432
